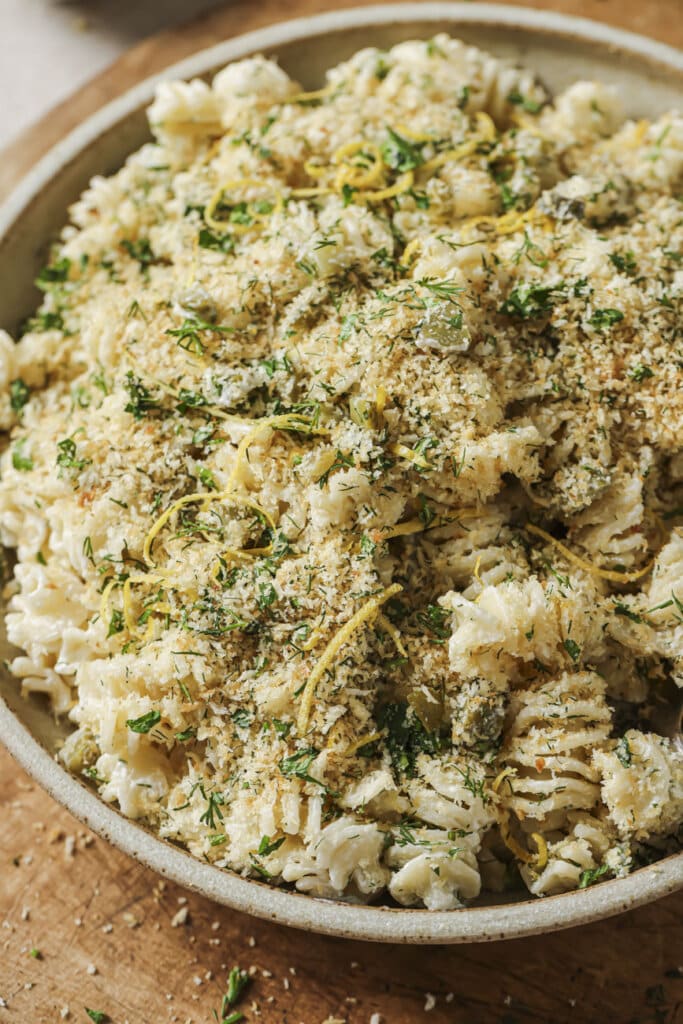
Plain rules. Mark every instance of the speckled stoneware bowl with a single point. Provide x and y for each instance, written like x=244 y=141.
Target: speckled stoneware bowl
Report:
x=561 y=50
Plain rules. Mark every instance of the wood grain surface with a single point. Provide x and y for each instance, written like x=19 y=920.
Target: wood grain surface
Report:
x=81 y=925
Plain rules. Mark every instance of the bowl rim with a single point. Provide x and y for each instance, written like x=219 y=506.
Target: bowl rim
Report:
x=381 y=924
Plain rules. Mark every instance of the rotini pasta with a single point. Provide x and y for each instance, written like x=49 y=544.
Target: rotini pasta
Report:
x=344 y=478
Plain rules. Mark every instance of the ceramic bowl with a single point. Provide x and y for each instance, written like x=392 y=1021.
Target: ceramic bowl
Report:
x=561 y=50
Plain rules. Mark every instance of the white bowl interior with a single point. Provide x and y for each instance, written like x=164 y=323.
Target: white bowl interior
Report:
x=561 y=50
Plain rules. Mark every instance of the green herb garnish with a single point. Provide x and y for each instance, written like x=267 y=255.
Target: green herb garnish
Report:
x=623 y=752
x=400 y=154
x=593 y=875
x=406 y=737
x=529 y=301
x=145 y=722
x=19 y=394
x=603 y=318
x=20 y=459
x=296 y=766
x=572 y=649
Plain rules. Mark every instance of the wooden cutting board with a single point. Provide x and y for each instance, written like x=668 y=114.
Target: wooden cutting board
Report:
x=84 y=926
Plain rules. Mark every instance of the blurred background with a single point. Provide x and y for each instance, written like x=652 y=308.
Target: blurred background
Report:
x=50 y=47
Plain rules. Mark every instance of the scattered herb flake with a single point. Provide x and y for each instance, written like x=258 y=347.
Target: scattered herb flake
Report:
x=21 y=460
x=593 y=875
x=145 y=722
x=604 y=318
x=623 y=752
x=19 y=394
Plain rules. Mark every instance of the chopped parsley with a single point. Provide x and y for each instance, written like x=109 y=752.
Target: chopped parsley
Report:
x=591 y=876
x=219 y=243
x=46 y=321
x=141 y=251
x=296 y=765
x=21 y=459
x=54 y=274
x=572 y=649
x=185 y=735
x=242 y=717
x=601 y=319
x=625 y=262
x=189 y=335
x=116 y=623
x=207 y=478
x=622 y=609
x=433 y=620
x=531 y=106
x=623 y=752
x=141 y=402
x=528 y=301
x=640 y=372
x=406 y=737
x=19 y=394
x=145 y=722
x=268 y=845
x=400 y=154
x=238 y=979
x=67 y=457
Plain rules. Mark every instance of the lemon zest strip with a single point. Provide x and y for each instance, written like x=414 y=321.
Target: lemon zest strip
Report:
x=358 y=174
x=393 y=632
x=158 y=606
x=381 y=399
x=501 y=776
x=488 y=133
x=408 y=133
x=287 y=421
x=227 y=227
x=508 y=223
x=309 y=193
x=315 y=94
x=363 y=741
x=450 y=155
x=402 y=185
x=314 y=170
x=571 y=556
x=411 y=526
x=404 y=452
x=249 y=552
x=187 y=499
x=410 y=250
x=364 y=614
x=512 y=844
x=312 y=640
x=542 y=855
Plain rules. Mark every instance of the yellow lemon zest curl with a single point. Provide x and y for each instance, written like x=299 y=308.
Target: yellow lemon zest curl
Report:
x=605 y=574
x=366 y=613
